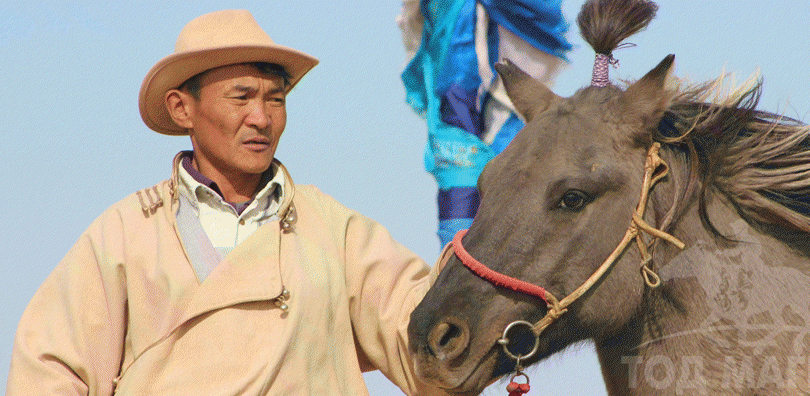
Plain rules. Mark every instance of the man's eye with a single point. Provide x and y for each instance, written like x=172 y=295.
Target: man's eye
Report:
x=574 y=200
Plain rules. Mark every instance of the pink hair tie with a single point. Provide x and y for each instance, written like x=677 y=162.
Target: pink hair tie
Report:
x=601 y=69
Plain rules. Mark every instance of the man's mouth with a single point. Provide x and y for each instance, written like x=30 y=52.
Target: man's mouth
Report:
x=257 y=143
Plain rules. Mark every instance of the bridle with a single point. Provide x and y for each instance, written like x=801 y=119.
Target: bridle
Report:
x=655 y=169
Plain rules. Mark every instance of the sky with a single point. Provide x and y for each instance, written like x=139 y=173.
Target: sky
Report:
x=73 y=142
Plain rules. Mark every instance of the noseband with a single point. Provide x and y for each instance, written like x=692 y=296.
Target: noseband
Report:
x=654 y=169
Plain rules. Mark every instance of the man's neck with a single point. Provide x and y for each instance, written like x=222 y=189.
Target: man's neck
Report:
x=233 y=187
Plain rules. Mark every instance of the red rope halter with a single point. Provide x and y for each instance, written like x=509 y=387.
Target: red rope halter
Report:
x=492 y=276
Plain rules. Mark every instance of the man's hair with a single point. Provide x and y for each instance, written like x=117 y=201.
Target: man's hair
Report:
x=192 y=85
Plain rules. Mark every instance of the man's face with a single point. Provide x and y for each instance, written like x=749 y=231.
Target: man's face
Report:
x=238 y=120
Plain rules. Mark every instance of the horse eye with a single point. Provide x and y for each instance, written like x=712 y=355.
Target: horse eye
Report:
x=574 y=200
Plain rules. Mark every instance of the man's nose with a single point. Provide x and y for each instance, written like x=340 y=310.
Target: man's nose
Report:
x=259 y=116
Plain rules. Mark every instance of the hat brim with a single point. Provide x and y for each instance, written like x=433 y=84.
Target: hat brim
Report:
x=175 y=69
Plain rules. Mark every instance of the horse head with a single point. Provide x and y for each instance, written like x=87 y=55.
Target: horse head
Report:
x=553 y=206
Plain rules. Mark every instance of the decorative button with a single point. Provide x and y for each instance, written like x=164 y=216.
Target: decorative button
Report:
x=281 y=301
x=289 y=219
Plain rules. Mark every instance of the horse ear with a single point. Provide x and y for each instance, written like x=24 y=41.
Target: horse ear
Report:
x=649 y=97
x=529 y=96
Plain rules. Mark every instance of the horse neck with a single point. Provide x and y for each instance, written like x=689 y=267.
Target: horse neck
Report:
x=710 y=290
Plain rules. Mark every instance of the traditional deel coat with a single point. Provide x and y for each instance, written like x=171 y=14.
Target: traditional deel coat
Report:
x=124 y=312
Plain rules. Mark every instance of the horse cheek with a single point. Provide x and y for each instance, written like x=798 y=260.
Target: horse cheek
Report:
x=615 y=301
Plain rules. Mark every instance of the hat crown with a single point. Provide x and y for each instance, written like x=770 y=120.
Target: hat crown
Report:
x=227 y=28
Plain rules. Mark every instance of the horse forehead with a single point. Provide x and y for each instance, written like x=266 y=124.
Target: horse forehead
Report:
x=579 y=134
x=581 y=119
x=574 y=136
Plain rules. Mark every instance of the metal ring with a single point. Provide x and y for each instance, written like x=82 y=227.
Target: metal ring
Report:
x=504 y=342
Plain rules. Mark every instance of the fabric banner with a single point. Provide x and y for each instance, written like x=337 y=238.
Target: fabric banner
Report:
x=450 y=81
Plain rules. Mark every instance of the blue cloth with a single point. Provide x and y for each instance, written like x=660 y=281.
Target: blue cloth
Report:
x=443 y=85
x=539 y=22
x=448 y=229
x=458 y=203
x=508 y=131
x=455 y=157
x=459 y=108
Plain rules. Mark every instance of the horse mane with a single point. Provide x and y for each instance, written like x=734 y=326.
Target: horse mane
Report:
x=759 y=160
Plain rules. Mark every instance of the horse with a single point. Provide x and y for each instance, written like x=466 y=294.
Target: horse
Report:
x=675 y=220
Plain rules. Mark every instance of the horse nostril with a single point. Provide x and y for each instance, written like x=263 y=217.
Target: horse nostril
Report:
x=451 y=332
x=448 y=340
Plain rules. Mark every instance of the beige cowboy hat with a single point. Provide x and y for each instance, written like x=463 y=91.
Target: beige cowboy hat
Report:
x=217 y=39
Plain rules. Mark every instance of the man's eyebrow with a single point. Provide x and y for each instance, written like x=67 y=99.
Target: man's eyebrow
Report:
x=244 y=88
x=251 y=89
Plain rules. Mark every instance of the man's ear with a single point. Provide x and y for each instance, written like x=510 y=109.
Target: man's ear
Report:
x=180 y=104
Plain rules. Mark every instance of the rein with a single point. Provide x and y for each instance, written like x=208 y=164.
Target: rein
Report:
x=655 y=168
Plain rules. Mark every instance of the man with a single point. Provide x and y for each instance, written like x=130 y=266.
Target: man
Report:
x=227 y=278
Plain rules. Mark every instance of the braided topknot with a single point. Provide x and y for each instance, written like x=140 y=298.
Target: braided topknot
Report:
x=604 y=24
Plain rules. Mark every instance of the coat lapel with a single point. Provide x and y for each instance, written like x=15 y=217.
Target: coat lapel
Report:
x=250 y=272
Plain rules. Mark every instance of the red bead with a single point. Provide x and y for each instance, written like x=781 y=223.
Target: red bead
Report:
x=516 y=389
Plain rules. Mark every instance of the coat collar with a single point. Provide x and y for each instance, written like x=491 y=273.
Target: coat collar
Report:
x=285 y=206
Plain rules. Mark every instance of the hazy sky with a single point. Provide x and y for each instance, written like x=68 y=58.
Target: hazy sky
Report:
x=73 y=142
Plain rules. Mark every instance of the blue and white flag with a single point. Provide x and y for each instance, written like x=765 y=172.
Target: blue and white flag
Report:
x=451 y=82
